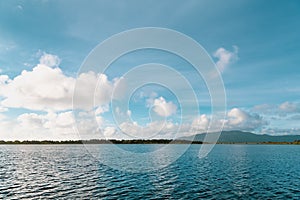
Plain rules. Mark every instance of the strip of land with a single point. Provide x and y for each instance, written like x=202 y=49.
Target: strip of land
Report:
x=96 y=141
x=139 y=141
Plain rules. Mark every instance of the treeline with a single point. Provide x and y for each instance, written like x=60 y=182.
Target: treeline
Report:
x=138 y=141
x=41 y=142
x=294 y=142
x=96 y=141
x=155 y=141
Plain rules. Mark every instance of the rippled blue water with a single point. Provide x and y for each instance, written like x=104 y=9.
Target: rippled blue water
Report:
x=229 y=171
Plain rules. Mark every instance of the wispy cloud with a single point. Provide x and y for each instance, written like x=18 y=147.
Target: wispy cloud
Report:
x=281 y=109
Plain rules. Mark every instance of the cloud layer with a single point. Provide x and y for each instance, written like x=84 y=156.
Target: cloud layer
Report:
x=46 y=93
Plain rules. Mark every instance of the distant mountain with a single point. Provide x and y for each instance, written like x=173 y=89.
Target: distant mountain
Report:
x=245 y=137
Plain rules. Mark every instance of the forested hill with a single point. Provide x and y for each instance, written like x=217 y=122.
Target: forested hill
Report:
x=245 y=137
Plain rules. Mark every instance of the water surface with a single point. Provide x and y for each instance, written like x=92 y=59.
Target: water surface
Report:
x=229 y=171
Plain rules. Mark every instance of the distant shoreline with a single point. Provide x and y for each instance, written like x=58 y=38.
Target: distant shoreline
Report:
x=139 y=141
x=95 y=141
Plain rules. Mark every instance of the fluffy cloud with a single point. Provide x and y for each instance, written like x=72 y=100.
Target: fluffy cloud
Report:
x=96 y=90
x=46 y=88
x=54 y=126
x=61 y=122
x=238 y=119
x=33 y=126
x=60 y=126
x=40 y=89
x=201 y=123
x=164 y=108
x=225 y=57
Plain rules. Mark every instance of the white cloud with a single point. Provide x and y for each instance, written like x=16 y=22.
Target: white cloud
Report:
x=52 y=126
x=96 y=90
x=31 y=120
x=33 y=126
x=109 y=132
x=46 y=88
x=49 y=60
x=4 y=79
x=237 y=116
x=241 y=120
x=164 y=108
x=61 y=120
x=237 y=120
x=156 y=129
x=60 y=126
x=40 y=89
x=225 y=57
x=86 y=96
x=200 y=124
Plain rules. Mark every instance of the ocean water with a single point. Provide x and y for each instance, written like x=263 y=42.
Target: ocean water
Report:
x=228 y=172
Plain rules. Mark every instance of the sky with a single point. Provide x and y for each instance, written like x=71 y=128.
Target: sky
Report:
x=255 y=46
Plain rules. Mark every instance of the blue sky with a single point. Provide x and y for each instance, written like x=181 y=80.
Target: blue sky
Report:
x=261 y=78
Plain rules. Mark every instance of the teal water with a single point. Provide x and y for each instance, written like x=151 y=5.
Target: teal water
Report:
x=228 y=172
